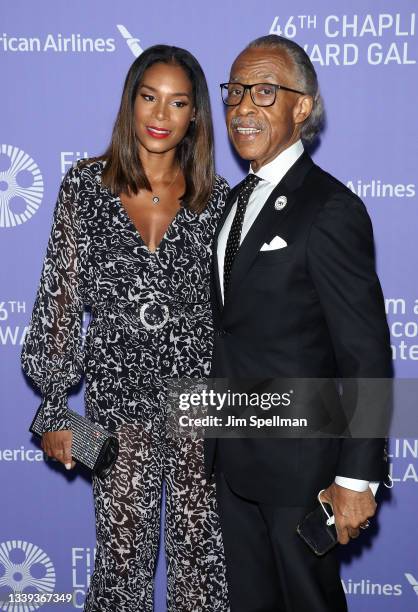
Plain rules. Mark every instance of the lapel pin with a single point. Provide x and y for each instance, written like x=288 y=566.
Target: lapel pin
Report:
x=280 y=203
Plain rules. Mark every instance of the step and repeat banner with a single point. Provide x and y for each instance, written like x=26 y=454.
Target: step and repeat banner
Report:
x=62 y=69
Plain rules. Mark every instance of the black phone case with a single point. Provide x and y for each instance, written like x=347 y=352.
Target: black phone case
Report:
x=316 y=533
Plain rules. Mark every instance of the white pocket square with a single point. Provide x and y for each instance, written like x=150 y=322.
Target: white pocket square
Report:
x=276 y=243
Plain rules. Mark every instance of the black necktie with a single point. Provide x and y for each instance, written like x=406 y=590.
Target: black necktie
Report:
x=234 y=237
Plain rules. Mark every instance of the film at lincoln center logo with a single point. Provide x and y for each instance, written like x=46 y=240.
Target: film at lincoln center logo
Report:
x=21 y=186
x=24 y=568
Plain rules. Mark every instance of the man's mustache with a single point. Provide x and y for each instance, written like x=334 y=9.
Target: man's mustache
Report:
x=248 y=122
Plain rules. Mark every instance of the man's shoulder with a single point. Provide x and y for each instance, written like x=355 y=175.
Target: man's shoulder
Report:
x=334 y=204
x=327 y=188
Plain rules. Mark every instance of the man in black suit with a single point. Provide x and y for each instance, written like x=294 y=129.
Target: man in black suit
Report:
x=295 y=295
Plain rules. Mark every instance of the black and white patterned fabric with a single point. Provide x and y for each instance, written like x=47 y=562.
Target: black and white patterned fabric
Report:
x=234 y=236
x=150 y=321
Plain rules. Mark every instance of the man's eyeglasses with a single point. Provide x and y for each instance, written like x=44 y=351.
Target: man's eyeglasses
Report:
x=262 y=94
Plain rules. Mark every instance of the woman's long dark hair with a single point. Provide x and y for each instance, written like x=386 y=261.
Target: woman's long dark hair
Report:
x=124 y=172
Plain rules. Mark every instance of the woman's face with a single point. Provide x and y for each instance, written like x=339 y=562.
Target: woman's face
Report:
x=163 y=108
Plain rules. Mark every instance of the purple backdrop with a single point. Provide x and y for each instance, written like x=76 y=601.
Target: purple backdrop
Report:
x=62 y=67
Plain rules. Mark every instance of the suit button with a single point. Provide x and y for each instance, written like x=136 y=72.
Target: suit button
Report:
x=221 y=332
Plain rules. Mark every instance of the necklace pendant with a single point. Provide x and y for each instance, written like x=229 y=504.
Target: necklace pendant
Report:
x=156 y=200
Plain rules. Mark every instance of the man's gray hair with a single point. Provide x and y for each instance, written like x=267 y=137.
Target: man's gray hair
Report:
x=306 y=79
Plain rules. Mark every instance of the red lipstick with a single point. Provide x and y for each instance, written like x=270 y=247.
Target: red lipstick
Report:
x=157 y=132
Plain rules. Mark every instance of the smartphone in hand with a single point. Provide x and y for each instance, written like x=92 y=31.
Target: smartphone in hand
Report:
x=318 y=530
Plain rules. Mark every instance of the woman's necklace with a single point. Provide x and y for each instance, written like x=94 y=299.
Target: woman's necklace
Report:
x=155 y=197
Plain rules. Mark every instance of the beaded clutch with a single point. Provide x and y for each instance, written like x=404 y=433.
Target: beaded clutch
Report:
x=92 y=446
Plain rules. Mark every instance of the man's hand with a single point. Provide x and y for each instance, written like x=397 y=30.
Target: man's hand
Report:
x=350 y=508
x=57 y=444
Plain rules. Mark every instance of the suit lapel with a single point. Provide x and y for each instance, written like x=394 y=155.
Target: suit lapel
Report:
x=268 y=217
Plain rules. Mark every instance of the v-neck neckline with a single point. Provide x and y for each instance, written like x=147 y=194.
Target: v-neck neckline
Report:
x=137 y=233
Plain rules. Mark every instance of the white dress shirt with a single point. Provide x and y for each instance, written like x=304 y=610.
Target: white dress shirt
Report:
x=271 y=174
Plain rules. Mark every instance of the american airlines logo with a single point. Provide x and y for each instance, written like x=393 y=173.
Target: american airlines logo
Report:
x=133 y=43
x=413 y=582
x=66 y=42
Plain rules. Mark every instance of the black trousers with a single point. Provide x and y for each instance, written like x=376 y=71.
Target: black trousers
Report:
x=269 y=568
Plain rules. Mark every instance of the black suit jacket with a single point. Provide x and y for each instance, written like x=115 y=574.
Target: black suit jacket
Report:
x=313 y=309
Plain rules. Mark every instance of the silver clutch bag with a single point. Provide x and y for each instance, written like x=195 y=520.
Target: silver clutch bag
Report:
x=92 y=445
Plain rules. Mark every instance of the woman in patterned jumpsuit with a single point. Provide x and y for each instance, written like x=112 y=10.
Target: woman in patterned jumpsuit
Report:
x=132 y=240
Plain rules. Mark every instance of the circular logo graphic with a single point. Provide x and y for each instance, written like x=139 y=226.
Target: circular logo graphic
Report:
x=280 y=203
x=24 y=569
x=21 y=186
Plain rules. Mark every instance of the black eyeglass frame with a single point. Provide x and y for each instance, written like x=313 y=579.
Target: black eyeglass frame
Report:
x=249 y=88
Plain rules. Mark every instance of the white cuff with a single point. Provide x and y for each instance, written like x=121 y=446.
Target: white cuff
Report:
x=352 y=483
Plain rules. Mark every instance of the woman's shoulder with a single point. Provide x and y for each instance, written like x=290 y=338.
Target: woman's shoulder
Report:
x=220 y=191
x=81 y=179
x=217 y=200
x=87 y=168
x=82 y=171
x=221 y=184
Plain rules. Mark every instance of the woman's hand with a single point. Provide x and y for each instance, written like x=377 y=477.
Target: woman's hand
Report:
x=57 y=444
